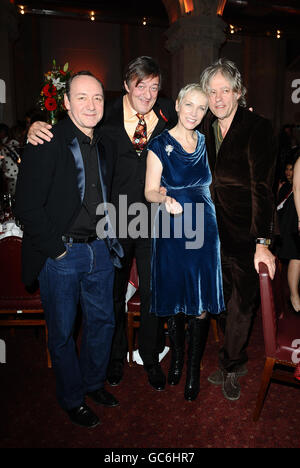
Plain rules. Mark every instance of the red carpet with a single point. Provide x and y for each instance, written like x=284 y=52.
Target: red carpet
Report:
x=30 y=416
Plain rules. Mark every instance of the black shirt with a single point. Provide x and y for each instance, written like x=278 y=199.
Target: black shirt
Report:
x=86 y=221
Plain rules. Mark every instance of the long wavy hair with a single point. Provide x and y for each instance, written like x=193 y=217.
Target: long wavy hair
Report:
x=230 y=71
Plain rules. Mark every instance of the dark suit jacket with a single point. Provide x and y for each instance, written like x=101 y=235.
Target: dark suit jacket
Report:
x=49 y=194
x=131 y=169
x=242 y=180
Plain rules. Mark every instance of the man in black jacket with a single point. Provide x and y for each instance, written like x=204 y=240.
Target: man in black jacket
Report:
x=241 y=153
x=60 y=184
x=142 y=81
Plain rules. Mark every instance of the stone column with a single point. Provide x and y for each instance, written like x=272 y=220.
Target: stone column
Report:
x=8 y=35
x=194 y=42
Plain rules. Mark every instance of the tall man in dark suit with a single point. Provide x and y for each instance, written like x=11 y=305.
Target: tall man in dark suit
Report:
x=142 y=81
x=59 y=186
x=242 y=157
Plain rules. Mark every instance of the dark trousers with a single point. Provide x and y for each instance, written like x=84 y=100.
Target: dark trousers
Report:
x=85 y=274
x=240 y=284
x=151 y=335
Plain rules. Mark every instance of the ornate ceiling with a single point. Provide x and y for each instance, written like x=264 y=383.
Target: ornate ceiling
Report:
x=251 y=16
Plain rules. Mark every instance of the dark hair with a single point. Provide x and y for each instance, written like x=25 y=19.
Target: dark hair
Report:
x=140 y=68
x=81 y=73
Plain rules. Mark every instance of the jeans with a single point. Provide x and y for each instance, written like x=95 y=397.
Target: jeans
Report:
x=84 y=275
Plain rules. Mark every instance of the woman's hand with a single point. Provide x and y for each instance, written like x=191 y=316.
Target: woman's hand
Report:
x=172 y=206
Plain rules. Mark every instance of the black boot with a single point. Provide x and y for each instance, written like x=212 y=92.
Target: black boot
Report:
x=177 y=337
x=198 y=332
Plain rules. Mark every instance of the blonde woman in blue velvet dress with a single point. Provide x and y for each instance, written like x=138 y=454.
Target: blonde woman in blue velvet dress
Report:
x=186 y=266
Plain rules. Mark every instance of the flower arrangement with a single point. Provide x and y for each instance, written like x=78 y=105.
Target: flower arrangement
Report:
x=52 y=94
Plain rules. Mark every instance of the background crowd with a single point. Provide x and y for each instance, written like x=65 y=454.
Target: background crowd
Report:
x=12 y=142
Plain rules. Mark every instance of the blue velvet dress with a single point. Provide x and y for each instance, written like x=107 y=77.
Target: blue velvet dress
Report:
x=186 y=266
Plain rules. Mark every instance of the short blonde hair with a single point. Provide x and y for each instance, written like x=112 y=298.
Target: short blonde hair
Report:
x=186 y=89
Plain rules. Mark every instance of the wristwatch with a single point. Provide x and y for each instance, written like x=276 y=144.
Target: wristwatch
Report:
x=263 y=241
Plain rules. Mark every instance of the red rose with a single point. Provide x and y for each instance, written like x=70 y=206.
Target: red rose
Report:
x=49 y=90
x=50 y=104
x=46 y=90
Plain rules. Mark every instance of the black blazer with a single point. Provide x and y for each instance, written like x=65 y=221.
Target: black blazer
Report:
x=131 y=169
x=49 y=193
x=242 y=180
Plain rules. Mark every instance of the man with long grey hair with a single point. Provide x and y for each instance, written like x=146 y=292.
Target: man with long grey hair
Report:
x=241 y=154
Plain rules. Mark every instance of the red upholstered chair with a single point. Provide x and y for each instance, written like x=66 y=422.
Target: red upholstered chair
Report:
x=133 y=314
x=18 y=307
x=281 y=330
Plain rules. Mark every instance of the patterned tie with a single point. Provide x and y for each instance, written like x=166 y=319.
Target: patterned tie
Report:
x=140 y=135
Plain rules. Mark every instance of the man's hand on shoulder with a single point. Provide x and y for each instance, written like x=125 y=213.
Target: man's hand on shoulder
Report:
x=39 y=132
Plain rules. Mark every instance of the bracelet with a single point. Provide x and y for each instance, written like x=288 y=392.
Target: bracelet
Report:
x=263 y=241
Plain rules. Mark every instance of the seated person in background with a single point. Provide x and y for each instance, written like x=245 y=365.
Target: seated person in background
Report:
x=4 y=131
x=12 y=150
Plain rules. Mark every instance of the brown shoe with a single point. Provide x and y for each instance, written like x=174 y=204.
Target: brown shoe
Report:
x=217 y=377
x=231 y=386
